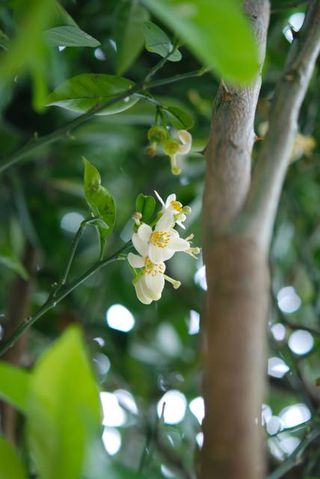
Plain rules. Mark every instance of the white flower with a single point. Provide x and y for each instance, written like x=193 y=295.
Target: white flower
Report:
x=174 y=209
x=149 y=282
x=175 y=148
x=162 y=243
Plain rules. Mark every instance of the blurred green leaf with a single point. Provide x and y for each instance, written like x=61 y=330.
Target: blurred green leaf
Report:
x=179 y=118
x=14 y=385
x=146 y=206
x=128 y=32
x=62 y=17
x=63 y=409
x=70 y=36
x=216 y=32
x=157 y=41
x=84 y=91
x=4 y=41
x=11 y=262
x=27 y=51
x=11 y=466
x=100 y=202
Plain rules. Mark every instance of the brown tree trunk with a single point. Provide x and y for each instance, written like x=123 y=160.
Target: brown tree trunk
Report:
x=234 y=360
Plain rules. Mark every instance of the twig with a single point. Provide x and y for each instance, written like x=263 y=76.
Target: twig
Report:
x=53 y=299
x=295 y=458
x=34 y=144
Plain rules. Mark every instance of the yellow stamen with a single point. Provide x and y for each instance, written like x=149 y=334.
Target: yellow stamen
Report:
x=176 y=205
x=160 y=238
x=152 y=268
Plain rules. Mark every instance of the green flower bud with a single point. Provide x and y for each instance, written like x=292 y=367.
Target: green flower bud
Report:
x=157 y=134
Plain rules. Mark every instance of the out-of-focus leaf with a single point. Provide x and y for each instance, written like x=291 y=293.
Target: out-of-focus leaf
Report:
x=11 y=466
x=82 y=92
x=27 y=51
x=100 y=202
x=128 y=32
x=4 y=41
x=157 y=41
x=62 y=17
x=146 y=206
x=14 y=385
x=70 y=36
x=63 y=409
x=217 y=33
x=10 y=261
x=179 y=118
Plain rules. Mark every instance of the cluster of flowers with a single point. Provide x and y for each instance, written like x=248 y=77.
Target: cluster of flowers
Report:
x=174 y=146
x=156 y=245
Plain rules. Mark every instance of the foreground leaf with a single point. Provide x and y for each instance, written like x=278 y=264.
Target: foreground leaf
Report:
x=70 y=36
x=11 y=466
x=128 y=32
x=63 y=409
x=85 y=91
x=157 y=41
x=14 y=386
x=100 y=201
x=216 y=31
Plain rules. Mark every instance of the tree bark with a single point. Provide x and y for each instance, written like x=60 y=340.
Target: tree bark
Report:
x=238 y=220
x=237 y=278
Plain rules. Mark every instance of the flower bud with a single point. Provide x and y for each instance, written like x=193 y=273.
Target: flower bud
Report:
x=157 y=134
x=171 y=147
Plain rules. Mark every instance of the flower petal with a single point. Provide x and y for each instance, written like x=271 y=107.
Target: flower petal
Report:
x=165 y=222
x=140 y=291
x=186 y=140
x=170 y=198
x=140 y=245
x=156 y=254
x=144 y=232
x=159 y=197
x=135 y=260
x=178 y=244
x=155 y=284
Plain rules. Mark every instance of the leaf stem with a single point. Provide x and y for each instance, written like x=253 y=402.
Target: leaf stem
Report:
x=54 y=298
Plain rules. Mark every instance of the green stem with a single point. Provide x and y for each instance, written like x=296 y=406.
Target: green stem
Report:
x=54 y=299
x=74 y=247
x=36 y=143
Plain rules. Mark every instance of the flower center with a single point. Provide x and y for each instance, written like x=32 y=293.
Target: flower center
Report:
x=176 y=205
x=160 y=238
x=152 y=268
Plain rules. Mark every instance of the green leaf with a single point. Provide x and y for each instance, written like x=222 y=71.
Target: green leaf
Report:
x=100 y=201
x=11 y=466
x=84 y=91
x=146 y=206
x=70 y=36
x=11 y=262
x=179 y=118
x=63 y=409
x=14 y=386
x=157 y=41
x=216 y=32
x=128 y=32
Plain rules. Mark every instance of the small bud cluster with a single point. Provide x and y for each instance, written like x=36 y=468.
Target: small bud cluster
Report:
x=173 y=146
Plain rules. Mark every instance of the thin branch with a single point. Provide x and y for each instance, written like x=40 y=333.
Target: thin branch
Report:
x=54 y=299
x=64 y=131
x=257 y=218
x=295 y=458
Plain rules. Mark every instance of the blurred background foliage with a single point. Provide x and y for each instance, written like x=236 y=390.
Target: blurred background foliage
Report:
x=146 y=355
